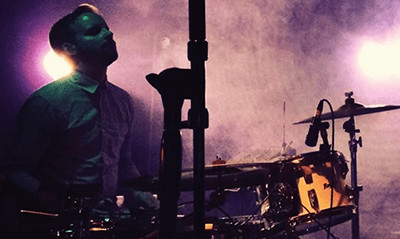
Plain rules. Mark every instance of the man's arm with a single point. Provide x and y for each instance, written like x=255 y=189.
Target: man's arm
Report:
x=134 y=199
x=31 y=139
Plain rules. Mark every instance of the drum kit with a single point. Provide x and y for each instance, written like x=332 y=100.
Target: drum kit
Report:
x=295 y=194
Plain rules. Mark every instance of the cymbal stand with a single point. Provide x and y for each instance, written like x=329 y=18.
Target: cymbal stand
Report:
x=174 y=88
x=349 y=127
x=284 y=144
x=198 y=114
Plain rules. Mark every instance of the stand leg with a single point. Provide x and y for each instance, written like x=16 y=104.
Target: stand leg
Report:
x=198 y=174
x=170 y=174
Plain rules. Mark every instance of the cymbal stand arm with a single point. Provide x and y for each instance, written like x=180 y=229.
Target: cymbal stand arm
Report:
x=349 y=127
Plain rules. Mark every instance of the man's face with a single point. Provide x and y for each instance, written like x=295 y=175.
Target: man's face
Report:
x=94 y=40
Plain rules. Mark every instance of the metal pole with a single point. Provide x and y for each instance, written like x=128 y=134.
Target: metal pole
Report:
x=170 y=85
x=355 y=221
x=198 y=115
x=170 y=173
x=349 y=126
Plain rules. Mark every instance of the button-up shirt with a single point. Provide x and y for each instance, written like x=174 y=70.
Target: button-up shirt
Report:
x=74 y=130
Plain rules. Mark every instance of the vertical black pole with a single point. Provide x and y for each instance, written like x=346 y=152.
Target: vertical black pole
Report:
x=198 y=115
x=355 y=221
x=170 y=172
x=350 y=128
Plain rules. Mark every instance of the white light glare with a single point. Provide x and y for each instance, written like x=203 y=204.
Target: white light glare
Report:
x=56 y=66
x=380 y=60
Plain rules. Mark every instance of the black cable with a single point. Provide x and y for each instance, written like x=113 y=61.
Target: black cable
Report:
x=227 y=215
x=254 y=214
x=208 y=204
x=184 y=203
x=333 y=123
x=214 y=206
x=332 y=164
x=319 y=223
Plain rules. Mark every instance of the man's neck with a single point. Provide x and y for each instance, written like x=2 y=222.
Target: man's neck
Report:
x=97 y=73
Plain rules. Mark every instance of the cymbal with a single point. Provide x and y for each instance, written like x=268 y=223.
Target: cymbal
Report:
x=216 y=177
x=229 y=176
x=352 y=109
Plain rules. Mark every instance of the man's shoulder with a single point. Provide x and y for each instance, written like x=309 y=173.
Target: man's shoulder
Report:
x=118 y=90
x=54 y=86
x=53 y=92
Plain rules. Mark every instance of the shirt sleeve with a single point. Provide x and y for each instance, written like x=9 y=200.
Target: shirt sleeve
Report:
x=127 y=167
x=31 y=139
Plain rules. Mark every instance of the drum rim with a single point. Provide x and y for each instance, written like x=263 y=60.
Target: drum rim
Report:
x=339 y=215
x=298 y=221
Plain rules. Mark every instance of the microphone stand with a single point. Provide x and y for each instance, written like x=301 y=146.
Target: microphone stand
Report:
x=170 y=174
x=198 y=114
x=349 y=127
x=174 y=89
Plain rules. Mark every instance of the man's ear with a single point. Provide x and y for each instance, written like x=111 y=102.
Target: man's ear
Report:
x=69 y=48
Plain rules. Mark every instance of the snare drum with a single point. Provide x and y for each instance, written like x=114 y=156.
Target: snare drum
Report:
x=308 y=192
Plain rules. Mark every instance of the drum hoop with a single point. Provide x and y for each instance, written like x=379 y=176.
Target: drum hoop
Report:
x=340 y=214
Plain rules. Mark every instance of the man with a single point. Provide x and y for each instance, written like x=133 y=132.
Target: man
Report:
x=73 y=136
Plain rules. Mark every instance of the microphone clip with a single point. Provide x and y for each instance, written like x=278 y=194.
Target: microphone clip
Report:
x=325 y=147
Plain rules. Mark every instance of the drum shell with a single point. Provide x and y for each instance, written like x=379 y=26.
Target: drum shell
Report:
x=323 y=185
x=316 y=193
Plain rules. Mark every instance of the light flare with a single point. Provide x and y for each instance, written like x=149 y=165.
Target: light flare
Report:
x=56 y=66
x=380 y=60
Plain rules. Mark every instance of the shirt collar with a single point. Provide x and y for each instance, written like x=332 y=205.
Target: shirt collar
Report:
x=86 y=82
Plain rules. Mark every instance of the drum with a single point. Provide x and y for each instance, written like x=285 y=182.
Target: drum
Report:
x=307 y=193
x=232 y=227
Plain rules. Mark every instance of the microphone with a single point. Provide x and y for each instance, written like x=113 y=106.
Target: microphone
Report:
x=312 y=135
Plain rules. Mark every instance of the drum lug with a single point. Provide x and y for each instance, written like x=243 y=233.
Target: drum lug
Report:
x=352 y=191
x=349 y=191
x=327 y=185
x=312 y=197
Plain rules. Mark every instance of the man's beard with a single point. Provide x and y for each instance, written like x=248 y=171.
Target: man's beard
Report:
x=104 y=59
